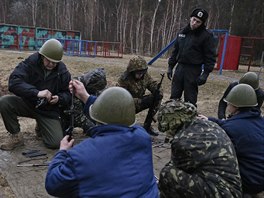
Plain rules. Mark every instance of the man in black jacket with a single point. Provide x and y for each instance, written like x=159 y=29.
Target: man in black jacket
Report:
x=250 y=78
x=194 y=47
x=41 y=78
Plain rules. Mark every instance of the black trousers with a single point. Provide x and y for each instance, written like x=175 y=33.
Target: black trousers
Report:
x=185 y=81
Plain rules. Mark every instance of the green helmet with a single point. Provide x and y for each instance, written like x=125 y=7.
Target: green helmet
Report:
x=242 y=95
x=250 y=78
x=137 y=63
x=115 y=105
x=173 y=114
x=52 y=49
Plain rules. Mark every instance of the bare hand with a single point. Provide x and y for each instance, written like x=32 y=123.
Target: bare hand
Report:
x=65 y=144
x=202 y=117
x=45 y=94
x=77 y=87
x=54 y=99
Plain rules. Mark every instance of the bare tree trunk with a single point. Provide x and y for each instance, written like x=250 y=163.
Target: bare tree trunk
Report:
x=138 y=26
x=164 y=25
x=153 y=26
x=232 y=11
x=176 y=19
x=131 y=36
x=4 y=10
x=118 y=7
x=123 y=25
x=141 y=40
x=34 y=11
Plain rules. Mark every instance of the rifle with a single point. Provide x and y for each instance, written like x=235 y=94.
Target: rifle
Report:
x=26 y=163
x=152 y=109
x=70 y=112
x=32 y=165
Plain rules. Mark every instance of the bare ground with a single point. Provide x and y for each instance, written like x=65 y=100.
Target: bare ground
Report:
x=29 y=181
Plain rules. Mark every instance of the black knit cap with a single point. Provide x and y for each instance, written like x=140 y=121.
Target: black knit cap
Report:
x=200 y=14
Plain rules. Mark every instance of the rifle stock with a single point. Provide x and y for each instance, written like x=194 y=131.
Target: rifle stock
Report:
x=152 y=110
x=70 y=112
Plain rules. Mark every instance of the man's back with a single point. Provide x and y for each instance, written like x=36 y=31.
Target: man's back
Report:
x=203 y=161
x=122 y=164
x=246 y=132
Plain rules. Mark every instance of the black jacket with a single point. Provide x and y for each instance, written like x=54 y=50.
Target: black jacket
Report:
x=194 y=47
x=28 y=78
x=222 y=104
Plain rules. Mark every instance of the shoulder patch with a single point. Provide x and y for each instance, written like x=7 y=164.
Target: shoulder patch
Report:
x=182 y=35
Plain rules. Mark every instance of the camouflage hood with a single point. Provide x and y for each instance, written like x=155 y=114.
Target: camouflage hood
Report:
x=175 y=114
x=137 y=63
x=94 y=81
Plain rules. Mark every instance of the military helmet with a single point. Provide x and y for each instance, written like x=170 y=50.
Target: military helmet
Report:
x=242 y=95
x=250 y=78
x=94 y=81
x=174 y=114
x=137 y=63
x=52 y=49
x=115 y=105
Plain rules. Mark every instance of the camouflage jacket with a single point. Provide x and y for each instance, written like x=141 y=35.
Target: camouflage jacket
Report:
x=137 y=88
x=80 y=119
x=203 y=164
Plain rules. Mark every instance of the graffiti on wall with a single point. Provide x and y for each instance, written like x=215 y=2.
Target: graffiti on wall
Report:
x=8 y=35
x=30 y=38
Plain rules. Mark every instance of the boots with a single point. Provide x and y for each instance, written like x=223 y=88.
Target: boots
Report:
x=13 y=141
x=152 y=132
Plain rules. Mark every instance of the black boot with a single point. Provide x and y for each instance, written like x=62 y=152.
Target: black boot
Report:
x=152 y=132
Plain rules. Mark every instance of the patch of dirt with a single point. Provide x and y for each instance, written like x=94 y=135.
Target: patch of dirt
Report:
x=5 y=190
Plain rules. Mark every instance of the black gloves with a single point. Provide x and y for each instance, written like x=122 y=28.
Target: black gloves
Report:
x=159 y=95
x=169 y=72
x=202 y=78
x=147 y=101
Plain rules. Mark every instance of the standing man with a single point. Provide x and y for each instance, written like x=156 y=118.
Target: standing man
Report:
x=193 y=48
x=137 y=80
x=40 y=88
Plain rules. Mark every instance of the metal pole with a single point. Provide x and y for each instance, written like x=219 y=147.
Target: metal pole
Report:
x=223 y=53
x=161 y=52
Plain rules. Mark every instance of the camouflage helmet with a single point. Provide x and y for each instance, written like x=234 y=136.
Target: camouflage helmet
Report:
x=242 y=95
x=115 y=105
x=250 y=78
x=94 y=81
x=137 y=63
x=173 y=114
x=52 y=49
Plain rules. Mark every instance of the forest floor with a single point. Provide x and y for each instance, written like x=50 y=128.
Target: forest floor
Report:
x=29 y=181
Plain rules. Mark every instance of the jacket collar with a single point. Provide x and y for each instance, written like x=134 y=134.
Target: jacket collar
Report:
x=109 y=129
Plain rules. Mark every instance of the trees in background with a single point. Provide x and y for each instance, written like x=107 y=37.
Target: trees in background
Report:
x=143 y=26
